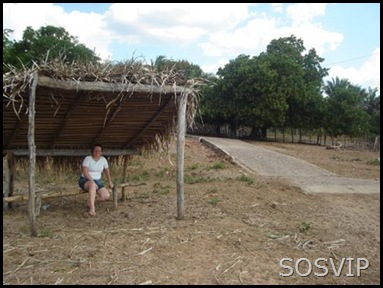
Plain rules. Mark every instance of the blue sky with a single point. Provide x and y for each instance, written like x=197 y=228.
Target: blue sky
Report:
x=210 y=35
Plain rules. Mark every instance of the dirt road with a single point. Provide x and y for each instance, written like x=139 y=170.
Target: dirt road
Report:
x=310 y=178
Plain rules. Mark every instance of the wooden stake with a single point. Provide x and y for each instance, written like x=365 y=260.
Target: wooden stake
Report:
x=10 y=178
x=32 y=155
x=180 y=155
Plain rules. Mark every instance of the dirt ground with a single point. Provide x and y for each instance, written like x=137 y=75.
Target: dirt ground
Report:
x=238 y=227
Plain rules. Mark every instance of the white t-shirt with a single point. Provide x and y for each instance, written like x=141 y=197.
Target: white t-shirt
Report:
x=95 y=167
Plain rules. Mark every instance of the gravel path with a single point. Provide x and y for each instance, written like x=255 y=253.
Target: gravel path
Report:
x=310 y=178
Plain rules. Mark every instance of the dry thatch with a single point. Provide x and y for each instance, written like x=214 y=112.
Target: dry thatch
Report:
x=127 y=105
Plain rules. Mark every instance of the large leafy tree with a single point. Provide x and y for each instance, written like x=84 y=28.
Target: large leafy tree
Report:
x=229 y=90
x=371 y=103
x=312 y=105
x=279 y=87
x=299 y=80
x=262 y=104
x=187 y=69
x=47 y=43
x=210 y=112
x=8 y=51
x=346 y=114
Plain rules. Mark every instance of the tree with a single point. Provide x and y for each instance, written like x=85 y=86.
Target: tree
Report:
x=278 y=86
x=47 y=43
x=183 y=67
x=371 y=103
x=299 y=80
x=345 y=112
x=231 y=91
x=8 y=52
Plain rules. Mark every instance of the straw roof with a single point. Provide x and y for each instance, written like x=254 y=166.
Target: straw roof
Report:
x=122 y=106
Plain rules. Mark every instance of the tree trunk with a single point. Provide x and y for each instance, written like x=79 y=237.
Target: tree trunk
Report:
x=292 y=135
x=264 y=133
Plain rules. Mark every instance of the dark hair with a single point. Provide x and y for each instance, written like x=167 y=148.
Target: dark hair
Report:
x=96 y=145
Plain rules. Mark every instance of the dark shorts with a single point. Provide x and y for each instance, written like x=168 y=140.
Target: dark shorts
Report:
x=82 y=180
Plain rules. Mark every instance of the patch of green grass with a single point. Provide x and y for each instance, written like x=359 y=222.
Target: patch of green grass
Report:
x=164 y=171
x=212 y=191
x=193 y=167
x=192 y=179
x=143 y=195
x=335 y=158
x=217 y=165
x=304 y=226
x=246 y=179
x=214 y=201
x=144 y=176
x=45 y=233
x=160 y=189
x=374 y=162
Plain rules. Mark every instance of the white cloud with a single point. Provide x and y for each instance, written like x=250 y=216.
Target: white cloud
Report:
x=367 y=75
x=303 y=13
x=213 y=68
x=88 y=27
x=173 y=23
x=17 y=16
x=261 y=29
x=249 y=39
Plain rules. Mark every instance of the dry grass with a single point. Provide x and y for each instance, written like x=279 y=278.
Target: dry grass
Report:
x=236 y=230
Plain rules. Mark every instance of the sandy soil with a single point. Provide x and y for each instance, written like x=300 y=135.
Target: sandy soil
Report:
x=237 y=229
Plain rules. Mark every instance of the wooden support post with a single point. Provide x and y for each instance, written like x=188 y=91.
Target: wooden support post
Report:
x=124 y=177
x=32 y=153
x=10 y=178
x=180 y=155
x=115 y=192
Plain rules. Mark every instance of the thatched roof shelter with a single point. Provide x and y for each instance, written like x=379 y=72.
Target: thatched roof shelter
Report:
x=124 y=107
x=57 y=109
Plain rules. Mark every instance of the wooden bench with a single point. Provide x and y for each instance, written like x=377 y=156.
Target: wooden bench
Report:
x=46 y=195
x=80 y=191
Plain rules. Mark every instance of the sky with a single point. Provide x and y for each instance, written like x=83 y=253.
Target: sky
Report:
x=346 y=35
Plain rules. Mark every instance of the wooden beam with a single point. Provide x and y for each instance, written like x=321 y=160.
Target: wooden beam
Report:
x=49 y=82
x=25 y=197
x=32 y=151
x=180 y=155
x=45 y=195
x=73 y=152
x=116 y=111
x=148 y=124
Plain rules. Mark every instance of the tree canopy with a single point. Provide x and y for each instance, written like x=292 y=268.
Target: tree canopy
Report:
x=283 y=87
x=46 y=43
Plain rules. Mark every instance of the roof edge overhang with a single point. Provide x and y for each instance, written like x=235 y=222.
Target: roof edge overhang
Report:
x=71 y=152
x=44 y=81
